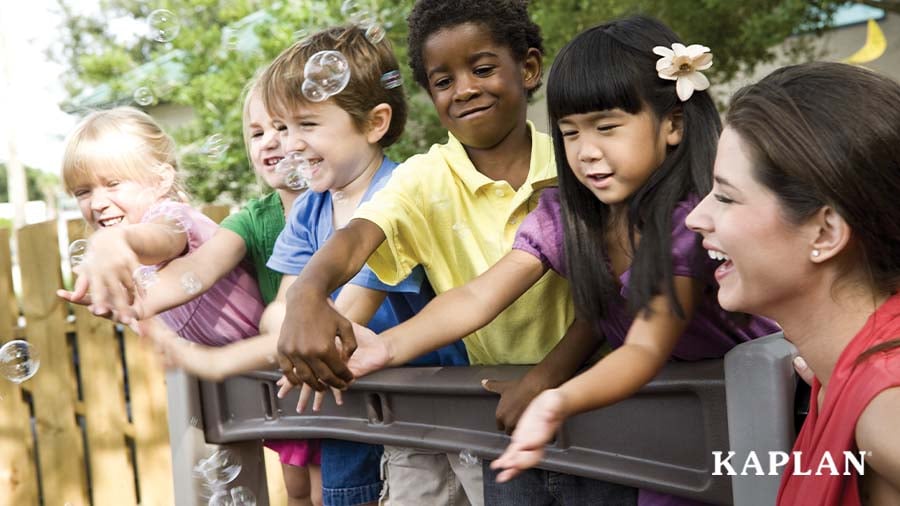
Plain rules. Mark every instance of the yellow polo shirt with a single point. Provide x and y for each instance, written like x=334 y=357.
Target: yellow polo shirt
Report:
x=438 y=211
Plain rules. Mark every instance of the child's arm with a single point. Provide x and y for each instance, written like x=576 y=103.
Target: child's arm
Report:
x=451 y=315
x=212 y=363
x=115 y=253
x=210 y=262
x=647 y=347
x=306 y=346
x=570 y=353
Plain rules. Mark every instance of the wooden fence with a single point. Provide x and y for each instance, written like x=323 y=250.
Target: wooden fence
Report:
x=90 y=427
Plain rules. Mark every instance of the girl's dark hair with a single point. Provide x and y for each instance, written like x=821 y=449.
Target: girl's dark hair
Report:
x=506 y=20
x=828 y=134
x=612 y=66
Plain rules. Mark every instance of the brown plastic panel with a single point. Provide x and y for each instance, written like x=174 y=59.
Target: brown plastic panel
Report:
x=662 y=438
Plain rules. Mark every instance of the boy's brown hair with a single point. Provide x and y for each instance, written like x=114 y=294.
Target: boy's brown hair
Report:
x=281 y=83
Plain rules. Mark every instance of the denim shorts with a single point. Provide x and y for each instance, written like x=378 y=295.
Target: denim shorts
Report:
x=538 y=487
x=351 y=472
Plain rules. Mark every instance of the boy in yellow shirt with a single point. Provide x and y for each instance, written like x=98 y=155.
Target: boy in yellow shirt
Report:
x=453 y=210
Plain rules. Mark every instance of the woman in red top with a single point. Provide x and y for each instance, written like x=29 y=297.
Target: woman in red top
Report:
x=804 y=216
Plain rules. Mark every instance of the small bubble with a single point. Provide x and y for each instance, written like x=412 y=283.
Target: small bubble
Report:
x=19 y=361
x=467 y=458
x=357 y=13
x=190 y=283
x=221 y=498
x=220 y=468
x=337 y=196
x=143 y=96
x=232 y=40
x=243 y=496
x=145 y=276
x=375 y=33
x=194 y=421
x=163 y=25
x=77 y=250
x=313 y=92
x=296 y=181
x=215 y=147
x=460 y=227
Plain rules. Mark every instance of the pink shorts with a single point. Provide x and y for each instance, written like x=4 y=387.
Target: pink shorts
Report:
x=296 y=452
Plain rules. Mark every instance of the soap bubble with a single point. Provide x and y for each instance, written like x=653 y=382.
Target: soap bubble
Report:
x=313 y=92
x=77 y=251
x=329 y=70
x=215 y=147
x=292 y=162
x=190 y=283
x=296 y=180
x=145 y=276
x=375 y=33
x=163 y=25
x=338 y=196
x=220 y=468
x=144 y=96
x=19 y=361
x=243 y=496
x=467 y=458
x=357 y=13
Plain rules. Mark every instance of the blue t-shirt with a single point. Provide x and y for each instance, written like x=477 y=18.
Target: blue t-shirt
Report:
x=309 y=225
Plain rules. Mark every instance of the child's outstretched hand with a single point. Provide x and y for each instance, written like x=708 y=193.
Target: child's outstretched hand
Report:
x=108 y=268
x=515 y=395
x=536 y=427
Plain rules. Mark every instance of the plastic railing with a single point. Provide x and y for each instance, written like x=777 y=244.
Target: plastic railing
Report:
x=663 y=438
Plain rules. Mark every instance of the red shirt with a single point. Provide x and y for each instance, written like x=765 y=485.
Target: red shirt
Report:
x=832 y=431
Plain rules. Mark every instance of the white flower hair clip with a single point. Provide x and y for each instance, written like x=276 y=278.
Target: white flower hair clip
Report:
x=683 y=65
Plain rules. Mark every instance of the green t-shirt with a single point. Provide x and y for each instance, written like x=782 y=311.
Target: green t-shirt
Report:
x=259 y=223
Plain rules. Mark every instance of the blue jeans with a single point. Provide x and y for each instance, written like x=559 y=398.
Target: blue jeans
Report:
x=351 y=472
x=538 y=487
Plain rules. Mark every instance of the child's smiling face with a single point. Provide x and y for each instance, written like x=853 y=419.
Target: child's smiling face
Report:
x=263 y=142
x=337 y=151
x=478 y=87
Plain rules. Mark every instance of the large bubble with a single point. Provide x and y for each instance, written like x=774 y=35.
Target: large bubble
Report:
x=329 y=70
x=19 y=361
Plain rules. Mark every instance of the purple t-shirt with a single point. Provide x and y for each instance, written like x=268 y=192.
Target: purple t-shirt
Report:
x=712 y=331
x=710 y=334
x=230 y=310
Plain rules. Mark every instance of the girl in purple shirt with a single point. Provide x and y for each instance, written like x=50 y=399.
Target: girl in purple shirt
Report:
x=635 y=134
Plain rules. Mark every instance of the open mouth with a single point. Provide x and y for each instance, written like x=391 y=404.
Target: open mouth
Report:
x=725 y=267
x=599 y=180
x=272 y=161
x=109 y=222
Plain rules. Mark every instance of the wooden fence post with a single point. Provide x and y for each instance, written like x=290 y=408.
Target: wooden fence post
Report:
x=59 y=439
x=18 y=480
x=103 y=391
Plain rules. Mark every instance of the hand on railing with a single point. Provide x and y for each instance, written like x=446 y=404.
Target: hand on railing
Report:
x=515 y=395
x=537 y=426
x=305 y=352
x=285 y=386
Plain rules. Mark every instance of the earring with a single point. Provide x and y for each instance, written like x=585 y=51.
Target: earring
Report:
x=815 y=253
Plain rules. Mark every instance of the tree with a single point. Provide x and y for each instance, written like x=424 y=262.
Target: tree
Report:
x=38 y=183
x=213 y=55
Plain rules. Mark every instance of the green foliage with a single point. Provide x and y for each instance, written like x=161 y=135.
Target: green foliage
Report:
x=36 y=183
x=222 y=43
